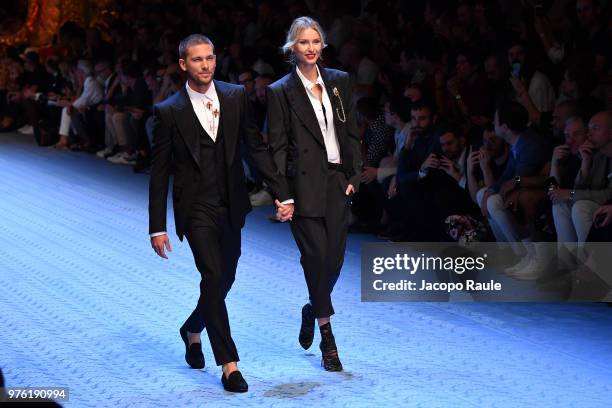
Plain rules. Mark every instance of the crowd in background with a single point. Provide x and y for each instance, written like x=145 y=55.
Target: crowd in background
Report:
x=479 y=120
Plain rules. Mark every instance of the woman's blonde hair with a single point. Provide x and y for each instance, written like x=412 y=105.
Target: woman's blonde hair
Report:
x=299 y=25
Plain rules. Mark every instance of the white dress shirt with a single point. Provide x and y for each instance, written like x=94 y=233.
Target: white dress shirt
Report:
x=91 y=95
x=207 y=108
x=325 y=115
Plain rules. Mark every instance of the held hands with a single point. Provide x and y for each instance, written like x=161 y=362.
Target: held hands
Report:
x=160 y=243
x=284 y=212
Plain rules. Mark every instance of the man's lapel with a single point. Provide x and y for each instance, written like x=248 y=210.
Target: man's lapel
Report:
x=229 y=119
x=185 y=118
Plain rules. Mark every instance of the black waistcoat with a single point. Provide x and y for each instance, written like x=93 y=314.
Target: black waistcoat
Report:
x=212 y=189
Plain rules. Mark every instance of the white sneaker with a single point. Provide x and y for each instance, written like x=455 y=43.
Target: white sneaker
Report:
x=522 y=264
x=535 y=270
x=123 y=158
x=104 y=153
x=26 y=130
x=261 y=198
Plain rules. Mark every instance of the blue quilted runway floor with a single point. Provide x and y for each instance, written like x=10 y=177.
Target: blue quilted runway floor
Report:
x=86 y=304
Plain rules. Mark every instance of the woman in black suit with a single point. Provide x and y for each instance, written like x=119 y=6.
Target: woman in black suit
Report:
x=314 y=142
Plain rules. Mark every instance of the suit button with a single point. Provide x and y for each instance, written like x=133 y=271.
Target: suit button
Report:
x=305 y=150
x=303 y=173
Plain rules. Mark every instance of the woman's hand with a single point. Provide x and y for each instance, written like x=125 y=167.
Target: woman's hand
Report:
x=284 y=212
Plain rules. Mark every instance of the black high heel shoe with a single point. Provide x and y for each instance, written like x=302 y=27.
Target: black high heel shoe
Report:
x=308 y=325
x=329 y=360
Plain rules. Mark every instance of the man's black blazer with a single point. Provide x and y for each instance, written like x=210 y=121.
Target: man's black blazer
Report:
x=176 y=147
x=296 y=141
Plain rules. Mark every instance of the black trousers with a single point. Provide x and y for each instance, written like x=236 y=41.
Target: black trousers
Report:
x=216 y=248
x=322 y=242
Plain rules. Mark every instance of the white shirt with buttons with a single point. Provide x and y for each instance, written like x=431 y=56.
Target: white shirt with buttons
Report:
x=325 y=115
x=207 y=108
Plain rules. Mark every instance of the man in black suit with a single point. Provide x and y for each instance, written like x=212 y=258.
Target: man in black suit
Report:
x=443 y=183
x=196 y=133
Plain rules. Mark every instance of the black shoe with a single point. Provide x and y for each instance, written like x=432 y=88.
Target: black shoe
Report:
x=234 y=383
x=193 y=354
x=330 y=360
x=308 y=326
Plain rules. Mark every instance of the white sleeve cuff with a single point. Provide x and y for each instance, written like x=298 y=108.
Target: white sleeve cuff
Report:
x=289 y=201
x=156 y=234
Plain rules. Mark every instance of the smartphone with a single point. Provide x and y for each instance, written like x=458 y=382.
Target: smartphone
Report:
x=516 y=69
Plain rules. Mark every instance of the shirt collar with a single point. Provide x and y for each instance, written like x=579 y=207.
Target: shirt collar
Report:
x=306 y=82
x=210 y=94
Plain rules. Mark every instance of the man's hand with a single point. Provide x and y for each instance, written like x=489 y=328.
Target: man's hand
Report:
x=472 y=161
x=560 y=152
x=160 y=243
x=136 y=113
x=369 y=174
x=349 y=189
x=586 y=151
x=284 y=212
x=602 y=216
x=449 y=168
x=559 y=194
x=507 y=187
x=432 y=162
x=29 y=93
